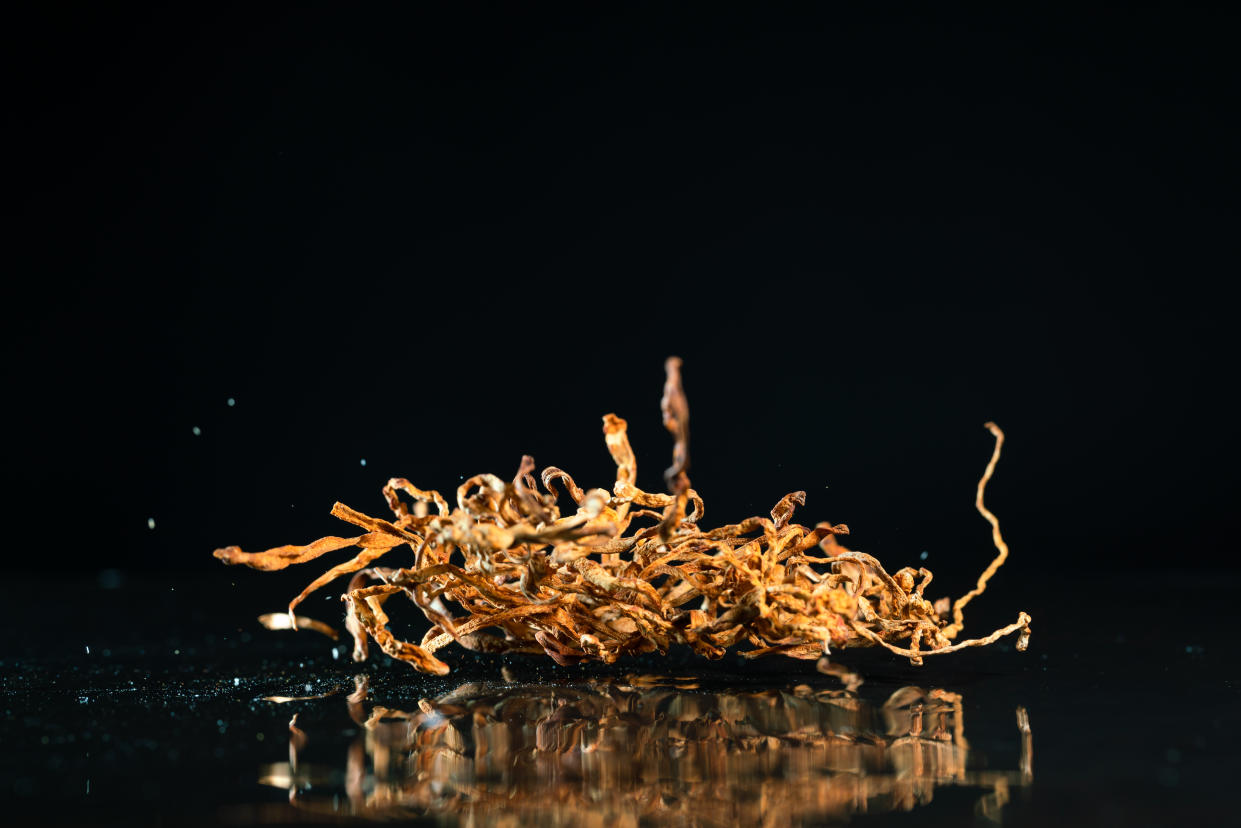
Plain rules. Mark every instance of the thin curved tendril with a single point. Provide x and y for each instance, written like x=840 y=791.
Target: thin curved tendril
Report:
x=958 y=616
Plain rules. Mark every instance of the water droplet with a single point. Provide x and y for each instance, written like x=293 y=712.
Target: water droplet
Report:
x=150 y=523
x=231 y=402
x=197 y=431
x=363 y=461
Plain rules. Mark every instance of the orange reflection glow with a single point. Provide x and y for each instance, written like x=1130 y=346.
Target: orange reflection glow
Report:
x=623 y=752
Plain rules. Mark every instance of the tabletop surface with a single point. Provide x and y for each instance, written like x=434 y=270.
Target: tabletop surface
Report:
x=162 y=701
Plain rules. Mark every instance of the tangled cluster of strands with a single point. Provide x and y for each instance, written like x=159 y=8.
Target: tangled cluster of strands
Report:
x=593 y=586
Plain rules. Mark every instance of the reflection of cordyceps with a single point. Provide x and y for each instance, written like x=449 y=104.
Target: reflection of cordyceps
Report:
x=599 y=584
x=629 y=751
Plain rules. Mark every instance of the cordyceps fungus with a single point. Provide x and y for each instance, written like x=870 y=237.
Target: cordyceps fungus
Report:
x=629 y=571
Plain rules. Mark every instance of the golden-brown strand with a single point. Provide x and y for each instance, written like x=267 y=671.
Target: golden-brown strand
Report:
x=958 y=616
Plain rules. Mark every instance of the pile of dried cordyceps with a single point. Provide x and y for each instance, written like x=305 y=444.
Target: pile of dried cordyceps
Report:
x=594 y=586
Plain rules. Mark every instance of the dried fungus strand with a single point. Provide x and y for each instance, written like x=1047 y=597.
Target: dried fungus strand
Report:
x=625 y=572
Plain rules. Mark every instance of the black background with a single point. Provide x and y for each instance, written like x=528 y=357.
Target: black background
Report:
x=440 y=241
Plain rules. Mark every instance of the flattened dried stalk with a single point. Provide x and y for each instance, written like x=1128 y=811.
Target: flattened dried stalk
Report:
x=628 y=572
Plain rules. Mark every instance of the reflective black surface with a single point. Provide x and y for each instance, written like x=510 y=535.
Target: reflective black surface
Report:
x=642 y=748
x=1129 y=690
